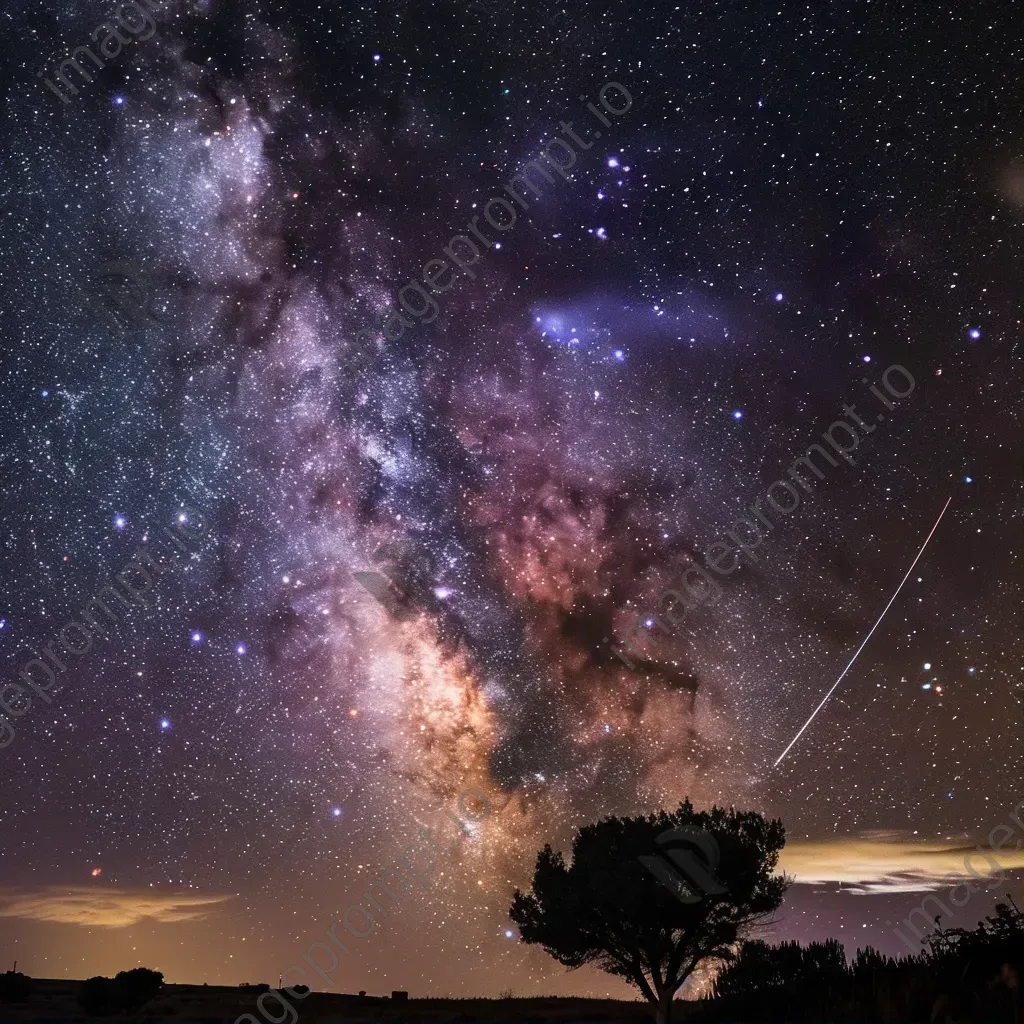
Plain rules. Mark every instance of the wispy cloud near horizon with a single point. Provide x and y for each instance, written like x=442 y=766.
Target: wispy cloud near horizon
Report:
x=105 y=908
x=890 y=863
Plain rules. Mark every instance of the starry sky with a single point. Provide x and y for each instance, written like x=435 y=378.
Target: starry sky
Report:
x=798 y=197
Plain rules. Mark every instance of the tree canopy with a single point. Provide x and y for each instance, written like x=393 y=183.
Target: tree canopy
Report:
x=630 y=907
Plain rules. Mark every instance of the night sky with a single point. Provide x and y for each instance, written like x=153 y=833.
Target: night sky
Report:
x=797 y=198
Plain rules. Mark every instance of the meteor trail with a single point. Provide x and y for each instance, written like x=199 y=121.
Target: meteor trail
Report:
x=868 y=637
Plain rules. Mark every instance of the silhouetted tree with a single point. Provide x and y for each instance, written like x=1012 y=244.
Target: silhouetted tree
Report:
x=15 y=987
x=610 y=910
x=126 y=993
x=98 y=997
x=136 y=987
x=964 y=974
x=759 y=968
x=980 y=966
x=785 y=979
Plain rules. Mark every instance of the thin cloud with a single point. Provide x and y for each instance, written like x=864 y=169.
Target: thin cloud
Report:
x=891 y=864
x=105 y=908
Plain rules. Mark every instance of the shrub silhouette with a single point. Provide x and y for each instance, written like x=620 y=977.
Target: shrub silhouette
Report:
x=126 y=993
x=15 y=987
x=98 y=997
x=137 y=987
x=962 y=975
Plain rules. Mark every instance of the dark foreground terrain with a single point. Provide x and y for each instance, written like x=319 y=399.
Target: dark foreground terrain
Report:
x=56 y=1000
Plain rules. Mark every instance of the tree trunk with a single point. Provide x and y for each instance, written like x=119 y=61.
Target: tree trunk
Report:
x=664 y=1014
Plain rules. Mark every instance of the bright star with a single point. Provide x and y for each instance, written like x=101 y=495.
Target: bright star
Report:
x=867 y=359
x=619 y=354
x=927 y=666
x=165 y=723
x=509 y=933
x=612 y=162
x=737 y=414
x=197 y=638
x=778 y=296
x=240 y=649
x=975 y=334
x=120 y=522
x=336 y=812
x=968 y=480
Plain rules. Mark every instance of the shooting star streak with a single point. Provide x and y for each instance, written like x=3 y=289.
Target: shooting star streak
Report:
x=868 y=637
